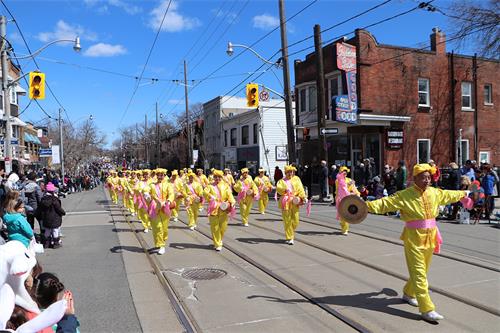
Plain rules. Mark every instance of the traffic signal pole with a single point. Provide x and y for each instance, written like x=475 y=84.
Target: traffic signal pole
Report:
x=188 y=127
x=61 y=146
x=320 y=95
x=6 y=95
x=286 y=82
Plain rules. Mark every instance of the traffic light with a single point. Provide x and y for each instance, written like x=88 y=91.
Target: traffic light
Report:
x=305 y=134
x=37 y=85
x=252 y=95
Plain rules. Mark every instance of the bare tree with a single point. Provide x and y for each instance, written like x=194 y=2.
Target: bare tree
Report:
x=477 y=22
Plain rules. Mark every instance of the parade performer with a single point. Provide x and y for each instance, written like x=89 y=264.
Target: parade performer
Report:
x=202 y=179
x=344 y=186
x=124 y=184
x=247 y=193
x=194 y=199
x=419 y=206
x=220 y=203
x=228 y=177
x=143 y=197
x=264 y=187
x=292 y=196
x=130 y=184
x=178 y=188
x=211 y=176
x=112 y=185
x=119 y=185
x=162 y=198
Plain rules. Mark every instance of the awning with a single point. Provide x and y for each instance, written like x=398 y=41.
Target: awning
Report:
x=31 y=138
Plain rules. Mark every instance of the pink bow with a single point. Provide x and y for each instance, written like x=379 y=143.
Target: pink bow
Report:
x=212 y=206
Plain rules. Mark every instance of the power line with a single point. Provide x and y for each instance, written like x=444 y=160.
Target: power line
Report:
x=146 y=63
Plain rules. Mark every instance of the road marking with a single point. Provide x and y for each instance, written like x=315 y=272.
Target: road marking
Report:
x=88 y=212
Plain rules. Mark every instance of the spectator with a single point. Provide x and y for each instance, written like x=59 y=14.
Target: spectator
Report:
x=389 y=180
x=367 y=171
x=401 y=176
x=33 y=194
x=51 y=213
x=333 y=176
x=468 y=170
x=307 y=180
x=18 y=227
x=278 y=174
x=323 y=180
x=488 y=184
x=376 y=189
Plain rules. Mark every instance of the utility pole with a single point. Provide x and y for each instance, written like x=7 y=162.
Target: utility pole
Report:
x=320 y=95
x=157 y=139
x=146 y=140
x=61 y=145
x=476 y=108
x=290 y=131
x=6 y=96
x=188 y=127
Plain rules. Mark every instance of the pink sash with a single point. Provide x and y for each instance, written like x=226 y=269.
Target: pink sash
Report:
x=243 y=192
x=342 y=191
x=212 y=205
x=427 y=224
x=190 y=186
x=288 y=196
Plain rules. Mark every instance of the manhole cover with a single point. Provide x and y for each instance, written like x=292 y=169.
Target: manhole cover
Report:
x=203 y=274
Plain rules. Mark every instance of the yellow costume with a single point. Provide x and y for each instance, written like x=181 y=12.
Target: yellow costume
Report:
x=351 y=187
x=216 y=194
x=112 y=184
x=245 y=200
x=202 y=179
x=418 y=206
x=194 y=193
x=288 y=189
x=178 y=188
x=228 y=178
x=162 y=195
x=264 y=186
x=129 y=186
x=142 y=191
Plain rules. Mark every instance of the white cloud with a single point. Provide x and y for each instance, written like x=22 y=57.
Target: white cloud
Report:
x=65 y=30
x=103 y=6
x=175 y=101
x=104 y=50
x=265 y=21
x=229 y=16
x=174 y=21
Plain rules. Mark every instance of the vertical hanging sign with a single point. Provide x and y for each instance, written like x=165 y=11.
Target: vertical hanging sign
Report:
x=346 y=61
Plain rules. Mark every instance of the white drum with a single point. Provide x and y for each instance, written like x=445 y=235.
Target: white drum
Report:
x=224 y=206
x=250 y=192
x=267 y=189
x=197 y=199
x=296 y=201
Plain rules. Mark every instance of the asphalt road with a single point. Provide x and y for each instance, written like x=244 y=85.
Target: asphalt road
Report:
x=87 y=266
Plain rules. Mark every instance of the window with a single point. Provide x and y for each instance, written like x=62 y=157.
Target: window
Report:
x=225 y=138
x=312 y=99
x=423 y=150
x=467 y=101
x=484 y=156
x=424 y=92
x=302 y=101
x=244 y=135
x=255 y=133
x=464 y=151
x=488 y=94
x=233 y=137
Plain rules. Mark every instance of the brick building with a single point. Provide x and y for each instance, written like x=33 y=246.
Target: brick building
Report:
x=428 y=96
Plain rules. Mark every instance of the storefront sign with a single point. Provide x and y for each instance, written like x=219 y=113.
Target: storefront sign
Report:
x=394 y=138
x=347 y=106
x=346 y=57
x=343 y=111
x=55 y=154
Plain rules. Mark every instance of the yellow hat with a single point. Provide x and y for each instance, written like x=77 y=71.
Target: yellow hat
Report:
x=262 y=170
x=419 y=168
x=181 y=171
x=344 y=168
x=290 y=168
x=244 y=170
x=112 y=171
x=161 y=170
x=218 y=173
x=190 y=173
x=212 y=170
x=145 y=171
x=199 y=170
x=227 y=169
x=175 y=173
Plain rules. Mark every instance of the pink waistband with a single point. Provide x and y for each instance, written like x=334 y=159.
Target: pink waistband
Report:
x=421 y=224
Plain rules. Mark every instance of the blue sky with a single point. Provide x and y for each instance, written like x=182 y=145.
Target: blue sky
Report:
x=116 y=36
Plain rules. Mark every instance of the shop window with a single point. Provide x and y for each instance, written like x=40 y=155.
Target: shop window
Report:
x=464 y=149
x=255 y=133
x=312 y=99
x=423 y=150
x=244 y=135
x=488 y=94
x=307 y=99
x=467 y=101
x=225 y=138
x=233 y=137
x=484 y=156
x=424 y=92
x=302 y=100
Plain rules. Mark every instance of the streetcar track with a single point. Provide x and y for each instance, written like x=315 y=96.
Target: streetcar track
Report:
x=461 y=260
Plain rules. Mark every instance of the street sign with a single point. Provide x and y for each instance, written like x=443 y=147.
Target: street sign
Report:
x=13 y=141
x=325 y=131
x=264 y=95
x=45 y=152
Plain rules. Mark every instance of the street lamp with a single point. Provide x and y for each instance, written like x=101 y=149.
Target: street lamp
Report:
x=6 y=85
x=230 y=52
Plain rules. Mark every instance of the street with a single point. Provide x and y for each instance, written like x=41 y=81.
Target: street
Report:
x=326 y=282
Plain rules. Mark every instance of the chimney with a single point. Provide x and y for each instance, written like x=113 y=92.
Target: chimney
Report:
x=438 y=41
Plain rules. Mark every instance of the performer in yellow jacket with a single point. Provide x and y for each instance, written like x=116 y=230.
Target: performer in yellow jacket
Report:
x=292 y=196
x=162 y=195
x=264 y=186
x=419 y=206
x=143 y=197
x=112 y=185
x=193 y=192
x=247 y=191
x=129 y=186
x=178 y=188
x=350 y=188
x=220 y=203
x=201 y=178
x=228 y=177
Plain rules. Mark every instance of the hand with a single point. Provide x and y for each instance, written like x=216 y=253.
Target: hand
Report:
x=467 y=192
x=70 y=307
